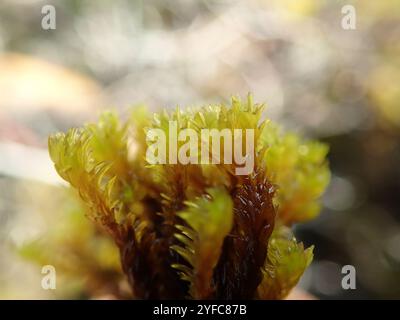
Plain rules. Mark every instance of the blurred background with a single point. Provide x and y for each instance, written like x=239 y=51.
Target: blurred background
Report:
x=318 y=79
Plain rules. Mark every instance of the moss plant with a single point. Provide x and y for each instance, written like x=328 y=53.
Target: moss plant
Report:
x=197 y=231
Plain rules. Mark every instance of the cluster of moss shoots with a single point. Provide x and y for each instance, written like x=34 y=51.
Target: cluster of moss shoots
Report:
x=197 y=231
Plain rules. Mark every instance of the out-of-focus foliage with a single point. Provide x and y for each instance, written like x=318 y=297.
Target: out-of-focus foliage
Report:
x=86 y=261
x=300 y=171
x=199 y=225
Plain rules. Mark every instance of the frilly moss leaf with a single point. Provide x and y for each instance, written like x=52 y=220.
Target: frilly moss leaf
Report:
x=286 y=262
x=209 y=221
